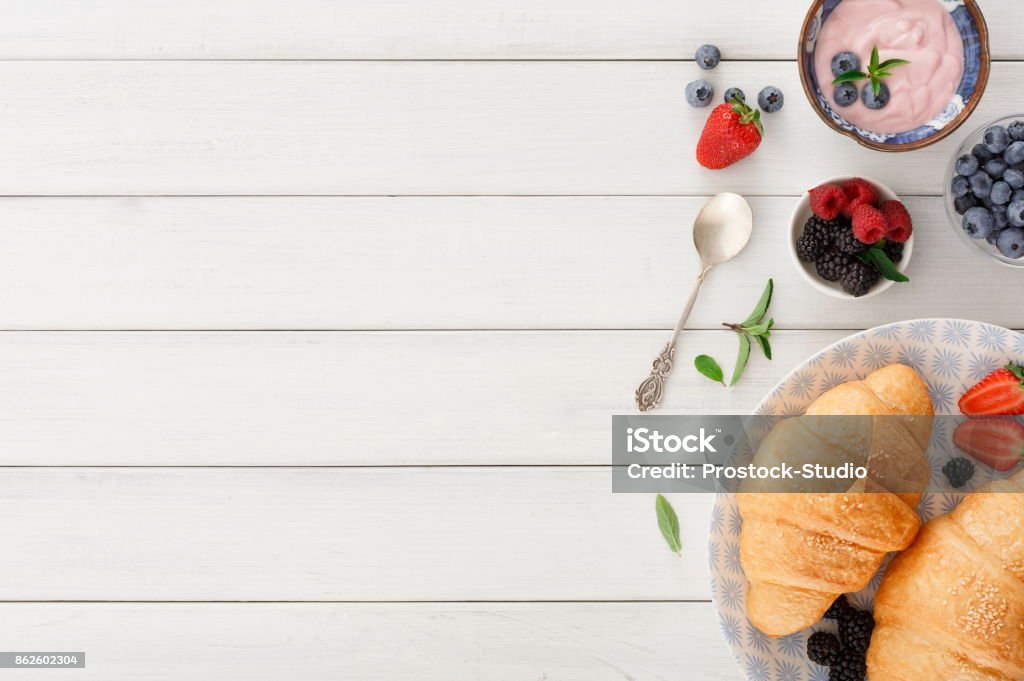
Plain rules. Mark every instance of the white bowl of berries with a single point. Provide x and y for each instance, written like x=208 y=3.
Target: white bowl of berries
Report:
x=851 y=237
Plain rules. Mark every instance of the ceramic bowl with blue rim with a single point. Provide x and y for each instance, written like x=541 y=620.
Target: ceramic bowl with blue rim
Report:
x=974 y=32
x=951 y=355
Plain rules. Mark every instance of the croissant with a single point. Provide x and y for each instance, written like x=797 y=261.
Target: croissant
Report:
x=952 y=605
x=799 y=551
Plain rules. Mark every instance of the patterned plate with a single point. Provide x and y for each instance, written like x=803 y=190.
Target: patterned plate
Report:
x=951 y=355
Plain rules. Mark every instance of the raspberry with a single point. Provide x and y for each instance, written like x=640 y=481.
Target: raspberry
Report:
x=828 y=201
x=900 y=224
x=858 y=192
x=869 y=225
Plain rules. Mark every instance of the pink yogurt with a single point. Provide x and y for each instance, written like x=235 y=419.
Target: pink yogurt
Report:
x=920 y=31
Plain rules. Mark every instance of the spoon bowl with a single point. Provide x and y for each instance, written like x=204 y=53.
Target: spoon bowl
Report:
x=722 y=228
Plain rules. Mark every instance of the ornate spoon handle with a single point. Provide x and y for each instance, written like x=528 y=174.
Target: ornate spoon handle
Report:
x=650 y=392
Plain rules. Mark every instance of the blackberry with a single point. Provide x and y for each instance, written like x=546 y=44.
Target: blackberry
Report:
x=847 y=243
x=832 y=265
x=894 y=250
x=823 y=648
x=855 y=631
x=839 y=609
x=858 y=278
x=958 y=471
x=849 y=666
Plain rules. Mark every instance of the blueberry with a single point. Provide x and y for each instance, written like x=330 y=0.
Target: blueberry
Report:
x=967 y=165
x=1014 y=177
x=999 y=215
x=964 y=203
x=981 y=152
x=1014 y=153
x=1016 y=130
x=981 y=184
x=978 y=222
x=1015 y=213
x=959 y=186
x=1011 y=243
x=699 y=93
x=995 y=168
x=708 y=57
x=1000 y=193
x=993 y=238
x=997 y=139
x=873 y=101
x=770 y=99
x=845 y=94
x=734 y=92
x=843 y=62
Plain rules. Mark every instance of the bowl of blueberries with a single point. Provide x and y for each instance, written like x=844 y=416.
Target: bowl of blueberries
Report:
x=985 y=190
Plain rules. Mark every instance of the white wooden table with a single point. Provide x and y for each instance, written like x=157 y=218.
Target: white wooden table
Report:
x=314 y=314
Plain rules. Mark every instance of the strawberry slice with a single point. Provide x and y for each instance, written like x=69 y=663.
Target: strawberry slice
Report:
x=1001 y=393
x=998 y=443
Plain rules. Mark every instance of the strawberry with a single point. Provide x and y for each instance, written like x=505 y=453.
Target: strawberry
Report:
x=998 y=443
x=733 y=131
x=1001 y=393
x=828 y=201
x=858 y=191
x=869 y=225
x=900 y=224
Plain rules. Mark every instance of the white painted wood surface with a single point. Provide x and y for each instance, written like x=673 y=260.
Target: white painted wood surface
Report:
x=417 y=29
x=437 y=128
x=375 y=642
x=342 y=534
x=330 y=302
x=435 y=263
x=350 y=399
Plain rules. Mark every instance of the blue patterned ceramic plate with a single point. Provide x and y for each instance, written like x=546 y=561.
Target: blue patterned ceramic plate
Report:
x=951 y=355
x=969 y=22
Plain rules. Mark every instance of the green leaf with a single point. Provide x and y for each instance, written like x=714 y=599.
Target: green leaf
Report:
x=1015 y=369
x=877 y=257
x=668 y=523
x=709 y=367
x=874 y=59
x=741 y=360
x=766 y=347
x=876 y=85
x=762 y=305
x=850 y=77
x=756 y=329
x=889 y=63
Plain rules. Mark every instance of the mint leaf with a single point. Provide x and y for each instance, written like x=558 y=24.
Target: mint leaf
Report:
x=709 y=367
x=849 y=77
x=874 y=59
x=762 y=305
x=889 y=63
x=766 y=347
x=756 y=329
x=741 y=360
x=668 y=523
x=877 y=257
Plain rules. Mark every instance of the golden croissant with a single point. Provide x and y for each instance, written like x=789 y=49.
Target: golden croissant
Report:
x=801 y=550
x=952 y=605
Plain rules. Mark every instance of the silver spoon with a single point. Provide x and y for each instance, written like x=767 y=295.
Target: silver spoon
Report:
x=720 y=231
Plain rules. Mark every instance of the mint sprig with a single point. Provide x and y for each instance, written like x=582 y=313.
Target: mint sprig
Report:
x=886 y=267
x=875 y=73
x=753 y=329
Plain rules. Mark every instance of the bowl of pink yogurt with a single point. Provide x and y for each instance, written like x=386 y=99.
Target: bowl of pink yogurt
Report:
x=944 y=44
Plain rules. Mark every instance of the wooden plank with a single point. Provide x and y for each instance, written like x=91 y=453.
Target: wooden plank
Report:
x=412 y=29
x=376 y=642
x=384 y=128
x=366 y=534
x=435 y=263
x=175 y=399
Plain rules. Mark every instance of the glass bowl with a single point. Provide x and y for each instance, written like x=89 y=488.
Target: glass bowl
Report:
x=979 y=245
